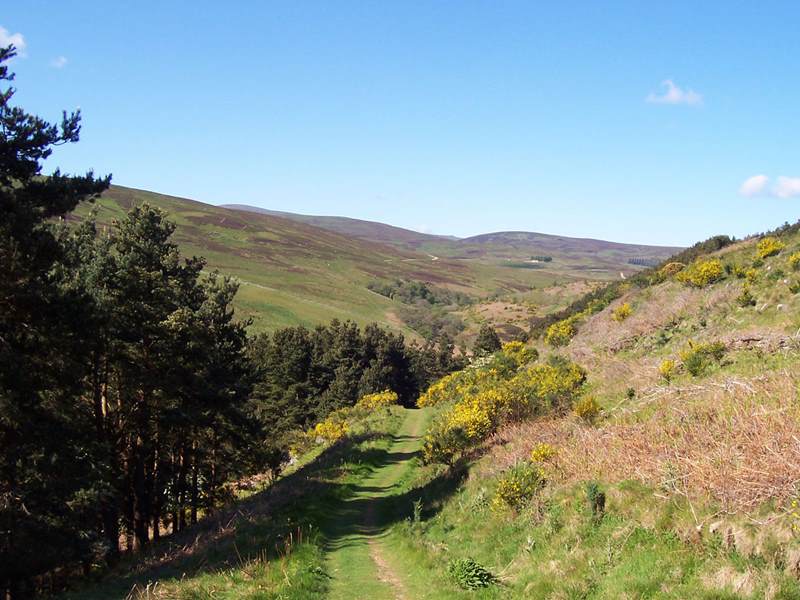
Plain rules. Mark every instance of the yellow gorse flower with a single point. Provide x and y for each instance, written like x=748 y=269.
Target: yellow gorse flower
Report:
x=701 y=273
x=378 y=400
x=482 y=401
x=769 y=246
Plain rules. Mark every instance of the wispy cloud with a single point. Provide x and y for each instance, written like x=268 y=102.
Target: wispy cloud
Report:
x=59 y=62
x=758 y=186
x=672 y=94
x=754 y=186
x=787 y=187
x=16 y=39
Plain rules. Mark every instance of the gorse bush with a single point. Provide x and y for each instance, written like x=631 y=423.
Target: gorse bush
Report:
x=769 y=246
x=560 y=333
x=379 y=400
x=520 y=353
x=745 y=298
x=469 y=575
x=481 y=374
x=517 y=487
x=667 y=369
x=669 y=270
x=443 y=444
x=702 y=273
x=542 y=452
x=587 y=409
x=622 y=312
x=794 y=261
x=332 y=429
x=697 y=358
x=481 y=399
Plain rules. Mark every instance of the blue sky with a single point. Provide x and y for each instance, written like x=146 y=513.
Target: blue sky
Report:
x=449 y=117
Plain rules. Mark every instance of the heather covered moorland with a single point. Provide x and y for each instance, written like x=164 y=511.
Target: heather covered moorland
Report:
x=463 y=390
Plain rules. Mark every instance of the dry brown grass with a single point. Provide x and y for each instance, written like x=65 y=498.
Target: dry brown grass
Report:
x=734 y=441
x=653 y=310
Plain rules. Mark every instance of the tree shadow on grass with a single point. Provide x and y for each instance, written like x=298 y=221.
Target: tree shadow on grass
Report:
x=266 y=525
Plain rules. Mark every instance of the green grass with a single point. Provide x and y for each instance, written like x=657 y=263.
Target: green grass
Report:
x=318 y=532
x=555 y=549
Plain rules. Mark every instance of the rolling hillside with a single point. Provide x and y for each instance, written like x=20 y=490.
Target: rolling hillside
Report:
x=512 y=249
x=366 y=230
x=633 y=481
x=309 y=270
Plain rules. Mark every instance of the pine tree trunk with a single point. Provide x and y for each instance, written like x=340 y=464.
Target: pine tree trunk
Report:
x=194 y=478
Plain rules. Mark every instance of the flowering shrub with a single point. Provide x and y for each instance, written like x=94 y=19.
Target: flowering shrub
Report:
x=697 y=357
x=442 y=444
x=667 y=369
x=519 y=353
x=794 y=515
x=751 y=275
x=332 y=429
x=622 y=312
x=587 y=408
x=482 y=402
x=379 y=400
x=560 y=333
x=769 y=246
x=451 y=386
x=794 y=261
x=701 y=273
x=517 y=487
x=542 y=452
x=543 y=387
x=483 y=373
x=667 y=271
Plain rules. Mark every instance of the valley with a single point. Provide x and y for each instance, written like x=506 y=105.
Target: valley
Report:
x=297 y=270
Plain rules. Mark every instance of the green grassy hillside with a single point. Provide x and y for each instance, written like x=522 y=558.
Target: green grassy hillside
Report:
x=297 y=273
x=293 y=273
x=640 y=482
x=688 y=426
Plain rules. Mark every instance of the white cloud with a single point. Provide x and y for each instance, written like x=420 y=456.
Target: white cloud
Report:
x=7 y=39
x=786 y=187
x=758 y=186
x=59 y=62
x=672 y=94
x=754 y=186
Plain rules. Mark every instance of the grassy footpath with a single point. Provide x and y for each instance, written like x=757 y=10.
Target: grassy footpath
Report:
x=357 y=529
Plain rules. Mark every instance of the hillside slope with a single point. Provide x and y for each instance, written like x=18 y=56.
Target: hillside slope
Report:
x=688 y=425
x=635 y=482
x=513 y=249
x=296 y=272
x=366 y=230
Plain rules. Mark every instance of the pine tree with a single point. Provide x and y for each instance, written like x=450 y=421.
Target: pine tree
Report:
x=487 y=342
x=46 y=467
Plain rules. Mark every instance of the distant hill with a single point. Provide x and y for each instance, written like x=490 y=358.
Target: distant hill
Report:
x=366 y=230
x=598 y=255
x=297 y=269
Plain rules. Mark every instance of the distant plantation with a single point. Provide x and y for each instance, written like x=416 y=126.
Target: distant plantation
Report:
x=411 y=292
x=644 y=262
